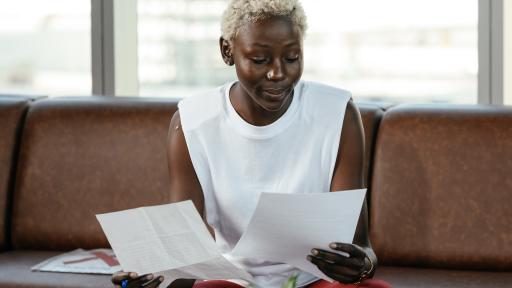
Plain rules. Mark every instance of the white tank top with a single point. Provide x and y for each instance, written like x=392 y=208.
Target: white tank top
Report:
x=236 y=161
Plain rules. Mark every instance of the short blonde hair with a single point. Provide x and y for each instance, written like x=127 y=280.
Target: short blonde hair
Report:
x=240 y=12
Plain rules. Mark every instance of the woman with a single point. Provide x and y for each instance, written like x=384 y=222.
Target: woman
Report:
x=269 y=132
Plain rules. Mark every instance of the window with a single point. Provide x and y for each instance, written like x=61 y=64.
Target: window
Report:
x=397 y=50
x=178 y=47
x=45 y=47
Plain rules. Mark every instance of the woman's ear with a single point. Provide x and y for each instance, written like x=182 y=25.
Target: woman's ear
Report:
x=226 y=51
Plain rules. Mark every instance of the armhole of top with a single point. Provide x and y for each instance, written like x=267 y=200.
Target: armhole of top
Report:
x=199 y=162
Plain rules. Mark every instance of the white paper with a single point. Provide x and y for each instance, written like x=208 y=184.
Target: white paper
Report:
x=169 y=240
x=216 y=268
x=285 y=227
x=98 y=261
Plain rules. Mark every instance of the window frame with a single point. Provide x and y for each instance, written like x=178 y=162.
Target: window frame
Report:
x=115 y=71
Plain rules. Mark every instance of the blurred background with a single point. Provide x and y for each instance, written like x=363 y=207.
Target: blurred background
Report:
x=392 y=51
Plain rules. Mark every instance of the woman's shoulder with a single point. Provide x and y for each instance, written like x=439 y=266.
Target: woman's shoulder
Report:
x=323 y=101
x=198 y=108
x=317 y=89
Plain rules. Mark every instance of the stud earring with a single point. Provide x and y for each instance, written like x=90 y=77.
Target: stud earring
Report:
x=229 y=58
x=269 y=75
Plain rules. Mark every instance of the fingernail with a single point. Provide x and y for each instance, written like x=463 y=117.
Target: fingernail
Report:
x=314 y=252
x=133 y=275
x=333 y=245
x=161 y=278
x=308 y=257
x=149 y=277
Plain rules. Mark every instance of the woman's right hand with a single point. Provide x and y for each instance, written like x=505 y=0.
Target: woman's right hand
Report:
x=133 y=280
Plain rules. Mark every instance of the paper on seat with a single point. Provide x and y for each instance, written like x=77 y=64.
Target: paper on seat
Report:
x=97 y=261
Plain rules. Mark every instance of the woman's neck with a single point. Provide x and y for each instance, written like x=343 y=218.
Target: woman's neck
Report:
x=250 y=111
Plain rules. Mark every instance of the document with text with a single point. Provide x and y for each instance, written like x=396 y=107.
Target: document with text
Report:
x=172 y=239
x=285 y=227
x=169 y=240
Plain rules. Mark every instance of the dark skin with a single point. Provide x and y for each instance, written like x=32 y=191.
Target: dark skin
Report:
x=269 y=62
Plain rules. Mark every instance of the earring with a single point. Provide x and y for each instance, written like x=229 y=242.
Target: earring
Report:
x=269 y=75
x=229 y=58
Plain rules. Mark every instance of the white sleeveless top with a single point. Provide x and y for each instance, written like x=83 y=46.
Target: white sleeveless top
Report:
x=236 y=161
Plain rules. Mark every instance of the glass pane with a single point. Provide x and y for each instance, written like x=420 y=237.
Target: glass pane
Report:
x=46 y=47
x=178 y=47
x=397 y=50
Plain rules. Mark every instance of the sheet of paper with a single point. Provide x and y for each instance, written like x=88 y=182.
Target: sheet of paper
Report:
x=285 y=227
x=167 y=237
x=97 y=261
x=216 y=268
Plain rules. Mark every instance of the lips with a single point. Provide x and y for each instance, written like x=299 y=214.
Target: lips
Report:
x=276 y=93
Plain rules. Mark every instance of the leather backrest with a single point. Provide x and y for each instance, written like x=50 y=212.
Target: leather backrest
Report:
x=84 y=156
x=442 y=187
x=12 y=111
x=371 y=114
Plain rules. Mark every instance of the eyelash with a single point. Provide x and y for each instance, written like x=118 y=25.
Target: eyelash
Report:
x=263 y=61
x=291 y=60
x=259 y=61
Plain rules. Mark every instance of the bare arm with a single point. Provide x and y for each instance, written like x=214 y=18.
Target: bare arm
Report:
x=184 y=184
x=349 y=174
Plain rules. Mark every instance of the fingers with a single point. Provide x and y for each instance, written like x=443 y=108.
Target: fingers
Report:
x=345 y=269
x=140 y=281
x=336 y=272
x=118 y=277
x=332 y=268
x=335 y=258
x=352 y=249
x=132 y=280
x=340 y=277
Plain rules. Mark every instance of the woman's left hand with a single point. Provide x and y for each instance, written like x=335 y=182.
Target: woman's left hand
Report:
x=345 y=269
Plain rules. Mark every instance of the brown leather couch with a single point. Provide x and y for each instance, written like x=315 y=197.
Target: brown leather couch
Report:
x=439 y=190
x=441 y=196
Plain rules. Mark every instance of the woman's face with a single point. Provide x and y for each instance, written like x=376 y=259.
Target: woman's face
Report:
x=268 y=60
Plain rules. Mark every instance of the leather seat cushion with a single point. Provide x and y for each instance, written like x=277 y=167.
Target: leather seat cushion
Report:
x=401 y=277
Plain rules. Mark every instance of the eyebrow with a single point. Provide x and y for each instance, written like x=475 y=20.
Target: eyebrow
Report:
x=268 y=46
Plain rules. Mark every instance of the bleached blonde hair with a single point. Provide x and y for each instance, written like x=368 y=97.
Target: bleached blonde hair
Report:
x=240 y=12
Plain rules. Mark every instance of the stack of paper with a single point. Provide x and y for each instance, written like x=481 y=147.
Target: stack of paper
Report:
x=172 y=240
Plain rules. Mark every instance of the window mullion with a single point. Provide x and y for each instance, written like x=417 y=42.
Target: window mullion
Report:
x=490 y=52
x=114 y=47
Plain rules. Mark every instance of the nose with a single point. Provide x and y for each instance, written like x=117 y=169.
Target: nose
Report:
x=276 y=71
